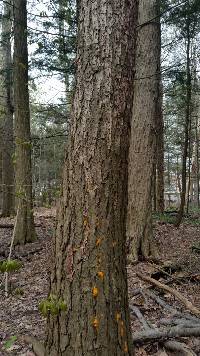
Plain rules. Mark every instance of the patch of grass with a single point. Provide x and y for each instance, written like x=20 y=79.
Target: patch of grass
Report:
x=164 y=218
x=192 y=221
x=170 y=215
x=9 y=343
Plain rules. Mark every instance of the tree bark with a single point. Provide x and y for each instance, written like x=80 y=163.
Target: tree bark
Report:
x=7 y=114
x=197 y=132
x=143 y=132
x=153 y=335
x=25 y=225
x=89 y=271
x=160 y=205
x=186 y=128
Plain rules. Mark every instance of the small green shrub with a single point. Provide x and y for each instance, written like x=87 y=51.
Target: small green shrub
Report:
x=8 y=343
x=10 y=266
x=18 y=292
x=52 y=305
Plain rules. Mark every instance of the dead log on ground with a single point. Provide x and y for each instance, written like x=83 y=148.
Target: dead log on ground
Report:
x=169 y=345
x=176 y=346
x=172 y=291
x=153 y=335
x=174 y=311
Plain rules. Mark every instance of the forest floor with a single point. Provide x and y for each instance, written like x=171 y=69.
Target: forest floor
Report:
x=19 y=313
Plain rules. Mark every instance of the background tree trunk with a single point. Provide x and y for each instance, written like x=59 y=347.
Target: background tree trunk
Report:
x=143 y=132
x=160 y=204
x=89 y=273
x=186 y=128
x=7 y=119
x=25 y=225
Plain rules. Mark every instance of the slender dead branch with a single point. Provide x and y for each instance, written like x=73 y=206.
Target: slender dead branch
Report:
x=179 y=347
x=172 y=291
x=174 y=311
x=157 y=335
x=6 y=226
x=140 y=317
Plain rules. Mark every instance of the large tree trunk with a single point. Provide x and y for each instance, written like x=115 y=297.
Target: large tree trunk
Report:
x=7 y=115
x=90 y=258
x=24 y=231
x=143 y=131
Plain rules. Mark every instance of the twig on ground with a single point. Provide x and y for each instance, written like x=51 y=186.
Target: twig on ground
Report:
x=140 y=317
x=159 y=301
x=168 y=307
x=179 y=347
x=157 y=335
x=11 y=225
x=182 y=322
x=172 y=291
x=150 y=334
x=6 y=226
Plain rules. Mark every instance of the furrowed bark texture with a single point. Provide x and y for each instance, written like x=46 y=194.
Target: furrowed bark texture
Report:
x=143 y=130
x=7 y=114
x=90 y=260
x=187 y=125
x=25 y=226
x=160 y=205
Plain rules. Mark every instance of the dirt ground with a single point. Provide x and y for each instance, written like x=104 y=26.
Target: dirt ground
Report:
x=19 y=313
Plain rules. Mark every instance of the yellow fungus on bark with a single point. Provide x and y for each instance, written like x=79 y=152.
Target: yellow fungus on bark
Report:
x=121 y=331
x=85 y=222
x=118 y=316
x=95 y=292
x=98 y=242
x=101 y=275
x=95 y=323
x=125 y=347
x=121 y=328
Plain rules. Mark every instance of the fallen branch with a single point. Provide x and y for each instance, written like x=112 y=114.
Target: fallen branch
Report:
x=174 y=311
x=140 y=317
x=172 y=291
x=179 y=347
x=169 y=345
x=11 y=225
x=6 y=226
x=157 y=335
x=158 y=300
x=181 y=322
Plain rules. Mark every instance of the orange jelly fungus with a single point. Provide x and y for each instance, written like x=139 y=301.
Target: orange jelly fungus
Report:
x=118 y=316
x=125 y=347
x=98 y=242
x=95 y=292
x=101 y=275
x=95 y=323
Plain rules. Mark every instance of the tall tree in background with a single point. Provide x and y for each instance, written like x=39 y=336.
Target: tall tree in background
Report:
x=25 y=225
x=160 y=205
x=189 y=20
x=7 y=113
x=143 y=129
x=89 y=271
x=187 y=122
x=183 y=20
